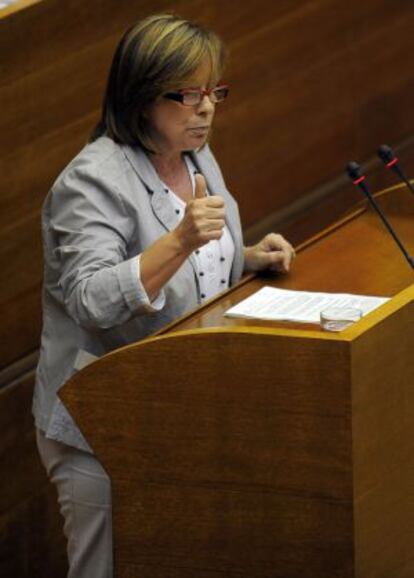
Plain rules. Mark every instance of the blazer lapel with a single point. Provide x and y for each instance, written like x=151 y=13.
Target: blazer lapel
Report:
x=163 y=210
x=148 y=175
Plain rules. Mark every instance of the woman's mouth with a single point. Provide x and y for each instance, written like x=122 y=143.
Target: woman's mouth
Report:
x=200 y=128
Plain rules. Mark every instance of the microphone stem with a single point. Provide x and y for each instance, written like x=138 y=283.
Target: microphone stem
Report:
x=388 y=226
x=409 y=185
x=400 y=173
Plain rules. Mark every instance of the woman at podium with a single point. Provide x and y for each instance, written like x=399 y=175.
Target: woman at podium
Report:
x=138 y=229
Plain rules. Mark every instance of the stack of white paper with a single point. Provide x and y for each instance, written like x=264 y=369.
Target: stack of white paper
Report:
x=301 y=306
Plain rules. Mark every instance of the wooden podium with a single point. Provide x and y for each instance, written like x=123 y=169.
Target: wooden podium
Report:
x=247 y=449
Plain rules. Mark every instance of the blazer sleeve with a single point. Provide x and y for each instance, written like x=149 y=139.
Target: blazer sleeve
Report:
x=91 y=229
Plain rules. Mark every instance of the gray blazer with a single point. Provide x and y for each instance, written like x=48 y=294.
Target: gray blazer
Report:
x=105 y=208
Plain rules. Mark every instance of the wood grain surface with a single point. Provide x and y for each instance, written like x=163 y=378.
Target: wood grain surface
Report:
x=313 y=84
x=232 y=463
x=383 y=447
x=362 y=258
x=260 y=450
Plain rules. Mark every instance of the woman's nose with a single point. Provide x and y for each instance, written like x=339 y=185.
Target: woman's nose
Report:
x=206 y=106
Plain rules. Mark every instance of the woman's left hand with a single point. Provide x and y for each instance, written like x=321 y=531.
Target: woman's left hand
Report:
x=272 y=252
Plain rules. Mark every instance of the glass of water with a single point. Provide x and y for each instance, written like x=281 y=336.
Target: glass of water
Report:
x=339 y=318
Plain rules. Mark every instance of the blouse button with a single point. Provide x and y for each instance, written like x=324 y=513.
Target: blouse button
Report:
x=222 y=259
x=203 y=296
x=201 y=273
x=177 y=211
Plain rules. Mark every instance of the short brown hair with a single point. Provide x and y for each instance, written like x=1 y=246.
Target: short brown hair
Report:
x=154 y=56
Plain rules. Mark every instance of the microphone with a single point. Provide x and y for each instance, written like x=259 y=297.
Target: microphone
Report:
x=354 y=171
x=386 y=154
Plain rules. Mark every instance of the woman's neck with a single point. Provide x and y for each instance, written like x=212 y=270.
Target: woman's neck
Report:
x=167 y=164
x=172 y=170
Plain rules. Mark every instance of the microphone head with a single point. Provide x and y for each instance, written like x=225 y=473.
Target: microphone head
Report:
x=386 y=154
x=354 y=170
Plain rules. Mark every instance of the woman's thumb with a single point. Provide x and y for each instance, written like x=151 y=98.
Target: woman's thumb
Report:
x=200 y=186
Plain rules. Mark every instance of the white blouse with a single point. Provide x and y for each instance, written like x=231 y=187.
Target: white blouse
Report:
x=213 y=260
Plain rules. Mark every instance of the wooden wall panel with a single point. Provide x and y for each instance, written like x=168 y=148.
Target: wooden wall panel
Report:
x=313 y=84
x=328 y=83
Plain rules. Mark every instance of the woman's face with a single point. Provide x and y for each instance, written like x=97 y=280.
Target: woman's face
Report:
x=175 y=127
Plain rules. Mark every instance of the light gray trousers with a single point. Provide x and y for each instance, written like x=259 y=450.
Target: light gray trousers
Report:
x=84 y=494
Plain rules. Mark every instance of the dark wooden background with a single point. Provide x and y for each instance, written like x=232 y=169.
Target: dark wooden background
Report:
x=313 y=85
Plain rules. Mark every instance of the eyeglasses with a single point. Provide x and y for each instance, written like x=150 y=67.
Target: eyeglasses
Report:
x=194 y=96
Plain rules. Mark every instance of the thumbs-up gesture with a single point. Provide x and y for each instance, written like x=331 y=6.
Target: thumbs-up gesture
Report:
x=200 y=186
x=204 y=218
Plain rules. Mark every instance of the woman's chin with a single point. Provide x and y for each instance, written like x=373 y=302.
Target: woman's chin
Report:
x=197 y=141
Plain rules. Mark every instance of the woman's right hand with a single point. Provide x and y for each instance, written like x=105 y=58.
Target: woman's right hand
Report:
x=204 y=218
